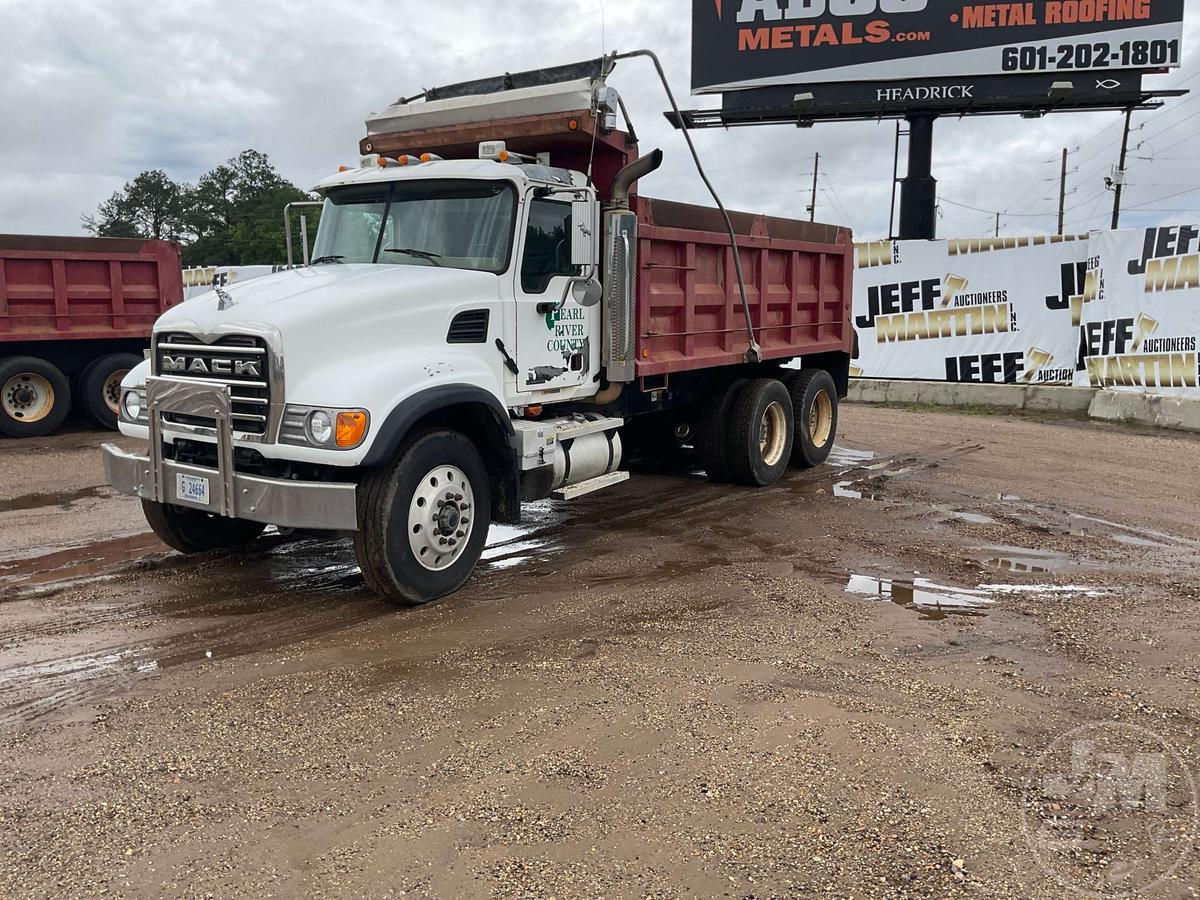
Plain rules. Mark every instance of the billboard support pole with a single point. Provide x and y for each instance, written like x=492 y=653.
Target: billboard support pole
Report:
x=1116 y=219
x=895 y=181
x=918 y=194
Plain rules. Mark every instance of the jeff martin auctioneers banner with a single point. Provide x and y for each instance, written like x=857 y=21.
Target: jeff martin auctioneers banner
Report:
x=1116 y=310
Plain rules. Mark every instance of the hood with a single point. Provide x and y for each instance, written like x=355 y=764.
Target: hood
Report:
x=329 y=297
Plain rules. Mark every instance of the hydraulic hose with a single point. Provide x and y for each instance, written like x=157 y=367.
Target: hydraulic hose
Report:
x=754 y=353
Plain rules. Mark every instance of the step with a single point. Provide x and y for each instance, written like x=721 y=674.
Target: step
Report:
x=575 y=491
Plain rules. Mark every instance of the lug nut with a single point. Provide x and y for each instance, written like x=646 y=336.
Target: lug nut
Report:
x=461 y=534
x=465 y=521
x=458 y=496
x=453 y=542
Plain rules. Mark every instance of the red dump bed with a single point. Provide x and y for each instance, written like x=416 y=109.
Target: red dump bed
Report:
x=55 y=288
x=690 y=314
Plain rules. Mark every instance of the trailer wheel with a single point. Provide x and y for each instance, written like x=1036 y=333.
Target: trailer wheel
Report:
x=100 y=386
x=35 y=397
x=815 y=398
x=712 y=433
x=761 y=431
x=195 y=531
x=424 y=519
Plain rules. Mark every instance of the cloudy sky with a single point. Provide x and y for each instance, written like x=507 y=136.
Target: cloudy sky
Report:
x=95 y=91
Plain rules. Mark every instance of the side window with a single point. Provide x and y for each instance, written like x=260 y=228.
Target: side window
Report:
x=547 y=245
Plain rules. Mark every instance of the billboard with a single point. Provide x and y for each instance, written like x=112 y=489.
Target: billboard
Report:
x=741 y=44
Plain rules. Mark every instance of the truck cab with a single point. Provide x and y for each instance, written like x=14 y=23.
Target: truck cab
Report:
x=465 y=338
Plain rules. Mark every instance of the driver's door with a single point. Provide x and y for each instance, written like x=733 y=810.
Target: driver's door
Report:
x=554 y=345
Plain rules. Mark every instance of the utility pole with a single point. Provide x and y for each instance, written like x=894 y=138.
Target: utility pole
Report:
x=997 y=224
x=812 y=210
x=1120 y=179
x=1062 y=193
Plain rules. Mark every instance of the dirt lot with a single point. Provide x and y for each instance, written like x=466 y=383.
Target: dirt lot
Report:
x=841 y=686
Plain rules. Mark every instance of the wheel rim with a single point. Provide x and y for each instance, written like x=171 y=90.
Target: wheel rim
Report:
x=441 y=518
x=27 y=397
x=112 y=391
x=820 y=419
x=773 y=433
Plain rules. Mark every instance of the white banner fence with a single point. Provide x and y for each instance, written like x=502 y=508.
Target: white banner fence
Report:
x=1117 y=310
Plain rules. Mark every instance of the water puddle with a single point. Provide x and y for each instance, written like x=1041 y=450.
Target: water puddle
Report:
x=76 y=564
x=63 y=500
x=930 y=601
x=845 y=457
x=1020 y=560
x=509 y=546
x=868 y=489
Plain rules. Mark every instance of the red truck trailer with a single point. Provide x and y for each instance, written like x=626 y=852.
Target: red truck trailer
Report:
x=75 y=317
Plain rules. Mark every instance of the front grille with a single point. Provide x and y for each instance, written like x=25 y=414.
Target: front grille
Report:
x=240 y=361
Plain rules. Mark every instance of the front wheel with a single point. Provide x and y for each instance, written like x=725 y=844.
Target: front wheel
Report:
x=423 y=520
x=195 y=531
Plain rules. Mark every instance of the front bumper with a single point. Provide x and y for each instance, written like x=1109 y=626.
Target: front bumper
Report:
x=288 y=504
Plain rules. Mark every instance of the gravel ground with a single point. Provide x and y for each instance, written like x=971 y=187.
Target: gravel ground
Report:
x=663 y=690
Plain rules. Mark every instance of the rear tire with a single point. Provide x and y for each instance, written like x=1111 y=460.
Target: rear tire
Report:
x=437 y=491
x=35 y=397
x=815 y=398
x=761 y=431
x=194 y=531
x=712 y=434
x=100 y=387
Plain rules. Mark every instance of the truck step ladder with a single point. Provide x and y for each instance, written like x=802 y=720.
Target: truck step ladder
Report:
x=575 y=491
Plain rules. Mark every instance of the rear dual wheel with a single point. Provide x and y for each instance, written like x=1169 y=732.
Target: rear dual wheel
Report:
x=815 y=399
x=35 y=397
x=751 y=430
x=100 y=387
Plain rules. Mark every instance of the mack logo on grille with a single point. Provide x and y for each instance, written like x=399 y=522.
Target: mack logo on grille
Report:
x=194 y=365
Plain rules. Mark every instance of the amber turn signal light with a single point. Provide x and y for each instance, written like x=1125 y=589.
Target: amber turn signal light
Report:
x=351 y=428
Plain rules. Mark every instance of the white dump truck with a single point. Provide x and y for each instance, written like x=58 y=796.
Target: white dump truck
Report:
x=491 y=315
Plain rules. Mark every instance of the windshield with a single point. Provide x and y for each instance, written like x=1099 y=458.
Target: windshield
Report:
x=450 y=224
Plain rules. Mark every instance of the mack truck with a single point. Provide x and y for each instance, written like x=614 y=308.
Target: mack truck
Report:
x=492 y=314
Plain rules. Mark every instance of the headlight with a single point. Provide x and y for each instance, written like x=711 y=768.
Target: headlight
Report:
x=324 y=427
x=133 y=405
x=320 y=427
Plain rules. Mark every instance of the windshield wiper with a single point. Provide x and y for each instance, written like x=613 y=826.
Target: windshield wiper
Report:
x=419 y=254
x=326 y=259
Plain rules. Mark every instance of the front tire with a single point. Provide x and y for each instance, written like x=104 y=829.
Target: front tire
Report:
x=195 y=531
x=424 y=519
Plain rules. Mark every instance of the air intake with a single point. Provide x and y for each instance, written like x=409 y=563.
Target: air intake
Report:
x=470 y=327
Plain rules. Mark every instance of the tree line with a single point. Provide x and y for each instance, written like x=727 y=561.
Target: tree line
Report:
x=231 y=216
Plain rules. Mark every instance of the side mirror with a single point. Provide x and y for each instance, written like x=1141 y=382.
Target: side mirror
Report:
x=583 y=233
x=587 y=293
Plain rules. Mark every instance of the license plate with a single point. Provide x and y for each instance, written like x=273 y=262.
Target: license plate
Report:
x=192 y=489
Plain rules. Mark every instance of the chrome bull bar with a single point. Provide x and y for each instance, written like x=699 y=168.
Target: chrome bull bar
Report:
x=290 y=504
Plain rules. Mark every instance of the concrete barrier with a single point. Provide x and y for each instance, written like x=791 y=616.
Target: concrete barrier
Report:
x=1032 y=397
x=1176 y=413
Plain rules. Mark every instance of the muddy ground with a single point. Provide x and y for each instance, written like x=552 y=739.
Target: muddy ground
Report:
x=840 y=686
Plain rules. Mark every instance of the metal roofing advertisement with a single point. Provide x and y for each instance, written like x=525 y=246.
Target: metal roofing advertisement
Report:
x=756 y=43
